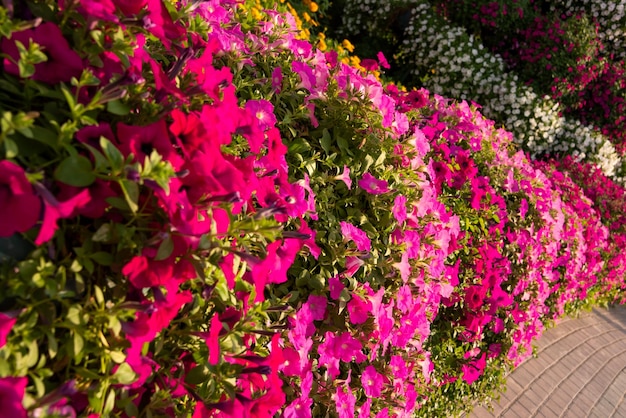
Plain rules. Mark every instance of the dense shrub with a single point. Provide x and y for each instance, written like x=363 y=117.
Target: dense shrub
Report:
x=204 y=215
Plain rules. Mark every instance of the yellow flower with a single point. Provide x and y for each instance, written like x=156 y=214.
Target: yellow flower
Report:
x=256 y=13
x=321 y=44
x=346 y=44
x=313 y=7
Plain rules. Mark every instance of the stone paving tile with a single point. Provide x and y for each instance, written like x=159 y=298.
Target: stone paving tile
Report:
x=580 y=372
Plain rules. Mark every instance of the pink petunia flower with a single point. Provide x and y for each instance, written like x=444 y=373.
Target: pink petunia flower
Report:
x=372 y=185
x=20 y=206
x=6 y=325
x=399 y=208
x=55 y=210
x=372 y=382
x=352 y=233
x=345 y=177
x=11 y=394
x=383 y=60
x=359 y=309
x=344 y=399
x=277 y=79
x=336 y=287
x=62 y=62
x=474 y=369
x=317 y=305
x=263 y=111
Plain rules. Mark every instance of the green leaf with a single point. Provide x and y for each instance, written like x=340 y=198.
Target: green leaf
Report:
x=100 y=159
x=115 y=157
x=109 y=404
x=74 y=314
x=53 y=346
x=71 y=100
x=131 y=194
x=76 y=171
x=102 y=258
x=98 y=295
x=326 y=140
x=10 y=148
x=117 y=356
x=197 y=375
x=118 y=108
x=103 y=234
x=124 y=374
x=77 y=346
x=165 y=249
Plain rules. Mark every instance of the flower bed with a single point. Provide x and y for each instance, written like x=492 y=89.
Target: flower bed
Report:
x=204 y=215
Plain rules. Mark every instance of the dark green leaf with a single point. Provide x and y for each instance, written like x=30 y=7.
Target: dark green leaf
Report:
x=118 y=108
x=76 y=171
x=165 y=249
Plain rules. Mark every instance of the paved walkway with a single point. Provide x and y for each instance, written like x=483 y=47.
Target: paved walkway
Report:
x=579 y=371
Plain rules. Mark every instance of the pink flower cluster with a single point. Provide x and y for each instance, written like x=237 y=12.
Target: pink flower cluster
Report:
x=477 y=238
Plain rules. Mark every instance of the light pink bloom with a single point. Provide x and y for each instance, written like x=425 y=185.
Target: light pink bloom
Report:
x=345 y=176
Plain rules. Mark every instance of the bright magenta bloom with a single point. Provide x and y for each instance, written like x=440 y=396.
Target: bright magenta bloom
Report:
x=372 y=185
x=352 y=233
x=6 y=324
x=11 y=395
x=55 y=210
x=20 y=207
x=372 y=382
x=63 y=63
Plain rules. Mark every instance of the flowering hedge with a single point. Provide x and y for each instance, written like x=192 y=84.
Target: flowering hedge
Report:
x=204 y=215
x=446 y=59
x=561 y=52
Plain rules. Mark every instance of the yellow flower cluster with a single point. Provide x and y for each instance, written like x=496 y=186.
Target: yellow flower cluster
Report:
x=311 y=5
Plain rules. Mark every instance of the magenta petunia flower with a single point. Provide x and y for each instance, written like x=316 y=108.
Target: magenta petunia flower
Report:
x=372 y=185
x=359 y=309
x=277 y=79
x=11 y=394
x=263 y=111
x=399 y=208
x=344 y=399
x=55 y=210
x=130 y=7
x=317 y=305
x=383 y=60
x=144 y=271
x=335 y=286
x=6 y=325
x=98 y=9
x=345 y=177
x=352 y=233
x=142 y=140
x=305 y=72
x=372 y=382
x=62 y=62
x=159 y=22
x=20 y=207
x=299 y=408
x=474 y=369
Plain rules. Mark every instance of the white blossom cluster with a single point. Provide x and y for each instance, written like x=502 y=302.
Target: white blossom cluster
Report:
x=451 y=62
x=610 y=15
